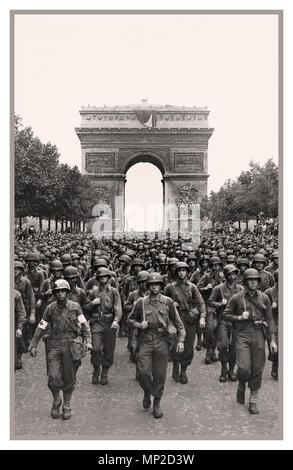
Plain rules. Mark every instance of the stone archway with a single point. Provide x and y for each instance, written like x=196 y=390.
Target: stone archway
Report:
x=174 y=139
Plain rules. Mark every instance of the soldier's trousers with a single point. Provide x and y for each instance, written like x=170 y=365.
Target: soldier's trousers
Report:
x=250 y=355
x=61 y=366
x=104 y=341
x=185 y=358
x=211 y=330
x=152 y=363
x=226 y=343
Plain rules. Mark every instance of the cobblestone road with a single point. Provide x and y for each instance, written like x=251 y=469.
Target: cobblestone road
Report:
x=202 y=409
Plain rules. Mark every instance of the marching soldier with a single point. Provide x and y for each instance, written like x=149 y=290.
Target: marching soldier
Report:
x=251 y=313
x=272 y=294
x=191 y=307
x=23 y=285
x=36 y=278
x=219 y=298
x=151 y=315
x=242 y=265
x=104 y=312
x=128 y=306
x=206 y=283
x=19 y=320
x=266 y=278
x=66 y=322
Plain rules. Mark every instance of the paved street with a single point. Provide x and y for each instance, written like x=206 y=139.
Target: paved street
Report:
x=202 y=409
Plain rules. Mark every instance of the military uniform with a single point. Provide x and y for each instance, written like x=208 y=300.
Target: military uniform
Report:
x=23 y=285
x=19 y=320
x=225 y=337
x=272 y=294
x=250 y=334
x=211 y=321
x=152 y=358
x=101 y=318
x=188 y=299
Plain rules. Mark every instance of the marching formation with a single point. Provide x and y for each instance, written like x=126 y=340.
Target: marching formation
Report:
x=78 y=294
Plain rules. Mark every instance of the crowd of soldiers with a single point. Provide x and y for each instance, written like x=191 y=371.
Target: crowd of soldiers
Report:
x=81 y=294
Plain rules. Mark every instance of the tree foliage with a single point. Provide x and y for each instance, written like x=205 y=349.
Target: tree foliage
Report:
x=253 y=194
x=43 y=187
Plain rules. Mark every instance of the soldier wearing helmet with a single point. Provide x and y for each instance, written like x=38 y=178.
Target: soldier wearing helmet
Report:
x=171 y=274
x=36 y=278
x=23 y=285
x=251 y=313
x=130 y=285
x=19 y=320
x=242 y=264
x=65 y=321
x=192 y=263
x=219 y=298
x=266 y=278
x=272 y=294
x=76 y=294
x=192 y=310
x=75 y=261
x=274 y=264
x=206 y=283
x=104 y=312
x=152 y=315
x=128 y=306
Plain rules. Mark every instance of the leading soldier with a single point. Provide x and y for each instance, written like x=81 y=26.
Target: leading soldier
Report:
x=151 y=315
x=66 y=322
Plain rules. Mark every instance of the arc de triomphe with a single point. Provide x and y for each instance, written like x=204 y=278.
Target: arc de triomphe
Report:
x=174 y=138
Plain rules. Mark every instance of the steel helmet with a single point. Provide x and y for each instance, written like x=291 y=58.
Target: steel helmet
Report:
x=275 y=254
x=125 y=259
x=215 y=260
x=249 y=251
x=251 y=274
x=137 y=262
x=191 y=256
x=262 y=251
x=242 y=261
x=230 y=268
x=61 y=284
x=18 y=264
x=231 y=259
x=172 y=261
x=154 y=278
x=180 y=265
x=32 y=256
x=259 y=258
x=100 y=262
x=74 y=256
x=56 y=264
x=142 y=276
x=70 y=272
x=66 y=259
x=103 y=272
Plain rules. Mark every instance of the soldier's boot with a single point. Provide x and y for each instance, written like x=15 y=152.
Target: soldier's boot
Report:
x=214 y=355
x=157 y=412
x=67 y=405
x=223 y=374
x=231 y=373
x=104 y=375
x=175 y=371
x=274 y=371
x=241 y=393
x=57 y=402
x=183 y=375
x=96 y=375
x=18 y=362
x=146 y=403
x=253 y=402
x=208 y=358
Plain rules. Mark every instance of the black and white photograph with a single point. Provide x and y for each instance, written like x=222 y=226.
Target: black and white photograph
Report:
x=146 y=257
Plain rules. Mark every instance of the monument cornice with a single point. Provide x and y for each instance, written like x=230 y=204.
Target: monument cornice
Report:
x=191 y=176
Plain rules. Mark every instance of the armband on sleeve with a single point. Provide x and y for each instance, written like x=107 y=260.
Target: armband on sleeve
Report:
x=43 y=324
x=81 y=319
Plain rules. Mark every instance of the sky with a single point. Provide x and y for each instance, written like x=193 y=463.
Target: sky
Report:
x=228 y=63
